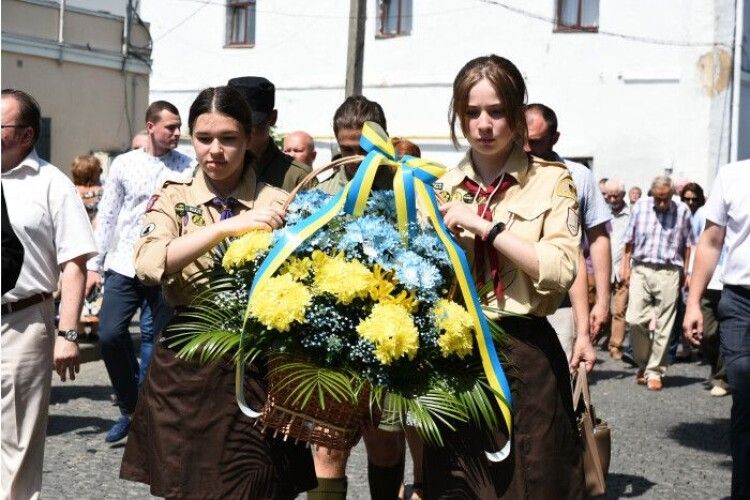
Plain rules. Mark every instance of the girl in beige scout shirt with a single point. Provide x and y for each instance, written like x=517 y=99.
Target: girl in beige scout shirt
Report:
x=188 y=438
x=516 y=217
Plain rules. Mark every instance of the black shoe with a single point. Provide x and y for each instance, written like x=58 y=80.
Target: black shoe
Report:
x=627 y=357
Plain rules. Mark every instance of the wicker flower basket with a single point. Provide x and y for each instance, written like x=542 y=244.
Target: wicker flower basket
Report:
x=337 y=426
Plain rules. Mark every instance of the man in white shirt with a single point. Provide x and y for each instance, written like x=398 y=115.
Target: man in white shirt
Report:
x=48 y=217
x=133 y=179
x=727 y=214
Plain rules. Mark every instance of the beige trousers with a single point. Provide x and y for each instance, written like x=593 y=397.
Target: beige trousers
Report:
x=653 y=293
x=28 y=341
x=564 y=324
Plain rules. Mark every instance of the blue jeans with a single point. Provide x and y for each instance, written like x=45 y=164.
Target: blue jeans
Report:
x=147 y=340
x=734 y=331
x=122 y=297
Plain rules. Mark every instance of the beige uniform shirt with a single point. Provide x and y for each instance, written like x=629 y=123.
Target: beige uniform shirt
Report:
x=183 y=208
x=542 y=208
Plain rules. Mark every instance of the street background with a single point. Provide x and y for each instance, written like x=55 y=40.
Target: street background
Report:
x=668 y=444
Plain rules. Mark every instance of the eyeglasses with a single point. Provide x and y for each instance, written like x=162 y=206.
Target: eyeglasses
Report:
x=689 y=199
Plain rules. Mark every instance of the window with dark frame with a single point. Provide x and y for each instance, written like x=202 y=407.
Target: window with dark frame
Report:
x=240 y=31
x=394 y=18
x=577 y=15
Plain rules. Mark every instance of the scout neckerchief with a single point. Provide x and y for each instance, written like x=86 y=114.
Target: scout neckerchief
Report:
x=225 y=206
x=484 y=250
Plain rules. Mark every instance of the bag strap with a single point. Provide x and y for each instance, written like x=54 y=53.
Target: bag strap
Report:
x=581 y=387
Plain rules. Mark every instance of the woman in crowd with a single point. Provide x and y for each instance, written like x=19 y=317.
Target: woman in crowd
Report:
x=189 y=438
x=516 y=217
x=86 y=171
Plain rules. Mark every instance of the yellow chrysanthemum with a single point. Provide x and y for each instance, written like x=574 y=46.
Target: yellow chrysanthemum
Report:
x=298 y=268
x=382 y=287
x=246 y=248
x=391 y=328
x=456 y=327
x=280 y=301
x=345 y=280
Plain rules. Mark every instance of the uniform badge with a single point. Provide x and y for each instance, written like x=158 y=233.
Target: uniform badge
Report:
x=151 y=202
x=566 y=188
x=437 y=185
x=148 y=229
x=456 y=197
x=179 y=209
x=443 y=196
x=573 y=221
x=198 y=220
x=468 y=198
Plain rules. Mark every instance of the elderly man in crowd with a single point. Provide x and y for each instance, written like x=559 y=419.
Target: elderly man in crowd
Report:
x=634 y=195
x=300 y=146
x=728 y=224
x=614 y=195
x=658 y=239
x=48 y=217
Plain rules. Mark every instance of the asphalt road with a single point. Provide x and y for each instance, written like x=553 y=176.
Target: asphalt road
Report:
x=670 y=444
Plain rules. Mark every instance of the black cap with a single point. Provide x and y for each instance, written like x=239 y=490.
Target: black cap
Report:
x=259 y=94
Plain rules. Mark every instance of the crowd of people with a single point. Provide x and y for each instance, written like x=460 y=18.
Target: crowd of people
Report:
x=570 y=261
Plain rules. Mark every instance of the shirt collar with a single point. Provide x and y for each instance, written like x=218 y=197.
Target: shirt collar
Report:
x=31 y=161
x=516 y=166
x=244 y=192
x=267 y=157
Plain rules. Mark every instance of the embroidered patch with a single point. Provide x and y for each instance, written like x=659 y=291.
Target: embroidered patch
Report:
x=566 y=188
x=179 y=209
x=151 y=202
x=148 y=229
x=437 y=185
x=456 y=197
x=573 y=222
x=468 y=198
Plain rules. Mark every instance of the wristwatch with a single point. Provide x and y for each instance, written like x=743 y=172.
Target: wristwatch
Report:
x=71 y=335
x=494 y=231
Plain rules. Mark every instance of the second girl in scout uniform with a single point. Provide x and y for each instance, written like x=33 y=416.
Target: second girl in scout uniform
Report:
x=188 y=437
x=516 y=217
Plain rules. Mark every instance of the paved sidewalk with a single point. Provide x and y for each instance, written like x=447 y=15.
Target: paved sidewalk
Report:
x=667 y=445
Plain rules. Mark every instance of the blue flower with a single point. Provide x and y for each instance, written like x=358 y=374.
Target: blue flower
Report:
x=374 y=238
x=419 y=275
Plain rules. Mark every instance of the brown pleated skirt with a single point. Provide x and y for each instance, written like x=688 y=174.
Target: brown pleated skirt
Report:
x=545 y=459
x=189 y=439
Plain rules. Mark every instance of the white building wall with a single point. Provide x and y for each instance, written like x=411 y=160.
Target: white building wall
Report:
x=634 y=96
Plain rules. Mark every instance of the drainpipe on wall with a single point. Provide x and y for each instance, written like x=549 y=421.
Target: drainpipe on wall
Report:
x=61 y=25
x=734 y=134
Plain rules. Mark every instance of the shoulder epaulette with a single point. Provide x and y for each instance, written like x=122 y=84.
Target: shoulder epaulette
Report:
x=180 y=183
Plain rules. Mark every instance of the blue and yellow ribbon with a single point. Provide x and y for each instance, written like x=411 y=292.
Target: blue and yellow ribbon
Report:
x=412 y=184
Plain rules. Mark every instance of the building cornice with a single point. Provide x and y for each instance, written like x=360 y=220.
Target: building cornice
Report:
x=49 y=49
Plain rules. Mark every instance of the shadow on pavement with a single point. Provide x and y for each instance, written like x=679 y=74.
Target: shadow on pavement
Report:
x=599 y=375
x=62 y=424
x=712 y=436
x=626 y=486
x=64 y=393
x=680 y=380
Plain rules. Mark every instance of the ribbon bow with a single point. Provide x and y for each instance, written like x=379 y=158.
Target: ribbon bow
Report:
x=412 y=181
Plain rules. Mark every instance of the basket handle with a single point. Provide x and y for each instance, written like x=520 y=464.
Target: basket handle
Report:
x=346 y=160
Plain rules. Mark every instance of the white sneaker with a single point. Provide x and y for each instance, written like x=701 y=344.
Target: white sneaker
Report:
x=718 y=391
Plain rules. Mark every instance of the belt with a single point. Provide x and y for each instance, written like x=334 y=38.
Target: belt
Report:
x=24 y=303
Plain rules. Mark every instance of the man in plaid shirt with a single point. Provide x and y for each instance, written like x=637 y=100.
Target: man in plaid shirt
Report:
x=658 y=239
